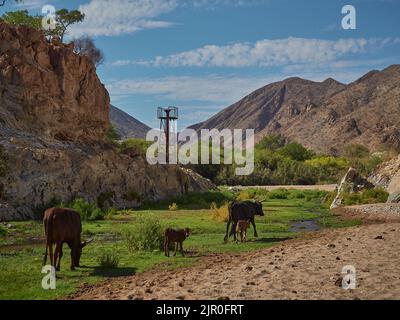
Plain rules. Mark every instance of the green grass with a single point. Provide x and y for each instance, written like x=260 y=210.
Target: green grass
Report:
x=22 y=248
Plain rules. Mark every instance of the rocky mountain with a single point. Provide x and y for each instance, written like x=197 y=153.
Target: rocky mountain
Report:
x=324 y=116
x=54 y=114
x=126 y=125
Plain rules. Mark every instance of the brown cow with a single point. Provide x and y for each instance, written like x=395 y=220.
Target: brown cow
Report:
x=63 y=226
x=177 y=237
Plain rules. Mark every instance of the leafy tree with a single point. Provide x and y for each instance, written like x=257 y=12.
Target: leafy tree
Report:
x=66 y=18
x=296 y=151
x=22 y=18
x=272 y=143
x=85 y=46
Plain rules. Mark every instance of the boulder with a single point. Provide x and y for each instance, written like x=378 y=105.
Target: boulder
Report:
x=351 y=182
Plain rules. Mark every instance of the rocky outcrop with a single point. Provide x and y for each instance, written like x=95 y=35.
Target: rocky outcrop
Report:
x=54 y=113
x=387 y=176
x=48 y=90
x=351 y=182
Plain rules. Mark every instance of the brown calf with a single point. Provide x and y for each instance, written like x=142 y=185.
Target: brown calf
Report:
x=177 y=237
x=63 y=226
x=243 y=225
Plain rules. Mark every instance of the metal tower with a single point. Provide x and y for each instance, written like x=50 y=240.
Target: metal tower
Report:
x=168 y=117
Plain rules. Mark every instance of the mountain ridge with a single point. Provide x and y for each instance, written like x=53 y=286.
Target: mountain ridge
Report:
x=324 y=116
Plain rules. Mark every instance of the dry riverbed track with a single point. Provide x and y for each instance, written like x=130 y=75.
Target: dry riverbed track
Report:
x=305 y=268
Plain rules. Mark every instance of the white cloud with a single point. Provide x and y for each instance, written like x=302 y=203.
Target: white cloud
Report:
x=116 y=17
x=220 y=90
x=267 y=53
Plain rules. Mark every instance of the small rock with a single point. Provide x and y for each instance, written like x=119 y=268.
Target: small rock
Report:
x=331 y=245
x=249 y=268
x=379 y=238
x=148 y=290
x=337 y=258
x=181 y=284
x=180 y=297
x=251 y=283
x=349 y=239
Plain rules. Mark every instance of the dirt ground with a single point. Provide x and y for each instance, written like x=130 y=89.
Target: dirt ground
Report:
x=307 y=268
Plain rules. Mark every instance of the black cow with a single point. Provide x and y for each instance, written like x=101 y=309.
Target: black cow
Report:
x=242 y=210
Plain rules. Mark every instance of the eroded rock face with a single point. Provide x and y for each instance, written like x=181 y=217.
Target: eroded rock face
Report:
x=48 y=90
x=388 y=176
x=54 y=113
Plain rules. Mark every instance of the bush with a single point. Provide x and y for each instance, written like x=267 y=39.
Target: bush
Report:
x=146 y=235
x=173 y=207
x=112 y=135
x=220 y=213
x=87 y=210
x=135 y=146
x=279 y=194
x=108 y=260
x=368 y=196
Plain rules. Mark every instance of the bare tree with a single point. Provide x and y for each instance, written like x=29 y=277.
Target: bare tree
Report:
x=85 y=46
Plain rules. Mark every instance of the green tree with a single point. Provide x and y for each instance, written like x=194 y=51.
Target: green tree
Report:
x=22 y=18
x=296 y=151
x=66 y=18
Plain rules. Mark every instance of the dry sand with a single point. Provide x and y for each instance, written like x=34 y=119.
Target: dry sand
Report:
x=307 y=268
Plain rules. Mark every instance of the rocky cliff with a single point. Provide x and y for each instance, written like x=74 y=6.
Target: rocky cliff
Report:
x=54 y=113
x=387 y=176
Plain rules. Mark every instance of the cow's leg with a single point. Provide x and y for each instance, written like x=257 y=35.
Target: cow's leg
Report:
x=176 y=248
x=165 y=247
x=227 y=230
x=233 y=230
x=56 y=254
x=72 y=259
x=181 y=244
x=254 y=226
x=59 y=257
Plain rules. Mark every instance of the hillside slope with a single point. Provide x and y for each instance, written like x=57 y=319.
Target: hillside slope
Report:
x=324 y=116
x=126 y=125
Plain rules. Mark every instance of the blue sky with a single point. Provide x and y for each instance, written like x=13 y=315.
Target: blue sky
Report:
x=203 y=55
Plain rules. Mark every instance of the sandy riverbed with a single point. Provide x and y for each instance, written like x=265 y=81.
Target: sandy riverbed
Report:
x=307 y=268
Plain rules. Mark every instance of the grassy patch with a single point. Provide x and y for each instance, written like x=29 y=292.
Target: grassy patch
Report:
x=22 y=251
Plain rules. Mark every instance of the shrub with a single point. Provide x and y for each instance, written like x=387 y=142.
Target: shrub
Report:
x=146 y=234
x=279 y=194
x=368 y=196
x=134 y=146
x=110 y=213
x=219 y=213
x=87 y=210
x=108 y=260
x=173 y=207
x=112 y=135
x=244 y=195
